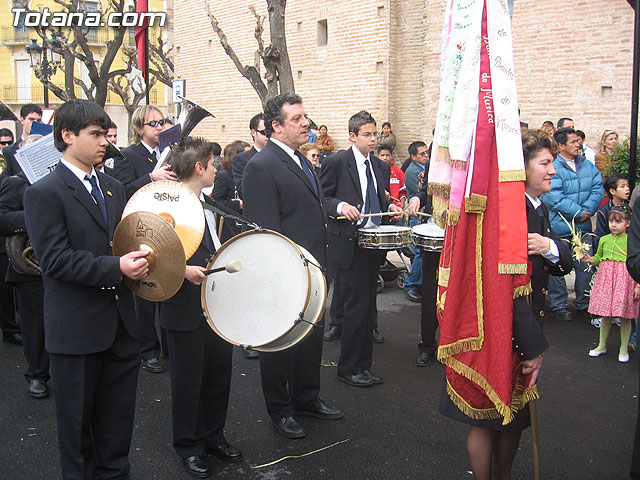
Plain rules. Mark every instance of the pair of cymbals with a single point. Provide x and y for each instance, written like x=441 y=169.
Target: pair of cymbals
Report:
x=166 y=218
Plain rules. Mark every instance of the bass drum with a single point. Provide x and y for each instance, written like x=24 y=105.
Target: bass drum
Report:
x=276 y=298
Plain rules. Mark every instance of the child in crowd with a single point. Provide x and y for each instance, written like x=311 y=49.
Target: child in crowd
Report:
x=614 y=293
x=616 y=187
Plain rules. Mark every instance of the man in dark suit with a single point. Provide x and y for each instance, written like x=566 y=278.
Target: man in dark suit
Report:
x=90 y=324
x=134 y=171
x=200 y=361
x=29 y=113
x=283 y=194
x=354 y=182
x=256 y=127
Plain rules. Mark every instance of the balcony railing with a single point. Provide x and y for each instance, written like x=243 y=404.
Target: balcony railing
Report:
x=35 y=94
x=15 y=35
x=94 y=35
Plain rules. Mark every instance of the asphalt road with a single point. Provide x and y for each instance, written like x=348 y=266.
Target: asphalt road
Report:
x=393 y=431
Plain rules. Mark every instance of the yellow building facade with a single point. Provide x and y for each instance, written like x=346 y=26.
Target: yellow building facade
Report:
x=18 y=83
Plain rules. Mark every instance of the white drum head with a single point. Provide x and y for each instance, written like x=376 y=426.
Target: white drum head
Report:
x=384 y=229
x=261 y=302
x=429 y=230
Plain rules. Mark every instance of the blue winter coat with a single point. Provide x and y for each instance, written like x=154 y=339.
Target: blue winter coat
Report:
x=572 y=193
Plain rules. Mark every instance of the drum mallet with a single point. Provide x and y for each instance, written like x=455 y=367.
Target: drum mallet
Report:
x=231 y=267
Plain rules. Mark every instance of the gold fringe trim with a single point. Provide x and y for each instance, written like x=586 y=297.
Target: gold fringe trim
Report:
x=439 y=189
x=469 y=373
x=475 y=203
x=442 y=155
x=512 y=268
x=522 y=291
x=443 y=276
x=440 y=206
x=468 y=410
x=453 y=216
x=459 y=164
x=460 y=346
x=512 y=176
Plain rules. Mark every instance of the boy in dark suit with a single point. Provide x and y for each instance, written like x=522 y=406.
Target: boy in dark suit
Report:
x=90 y=324
x=354 y=182
x=200 y=361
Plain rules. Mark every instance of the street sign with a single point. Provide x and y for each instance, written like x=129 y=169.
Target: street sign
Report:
x=179 y=90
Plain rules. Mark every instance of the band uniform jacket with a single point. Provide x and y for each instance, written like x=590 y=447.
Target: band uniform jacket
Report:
x=12 y=218
x=133 y=170
x=527 y=319
x=341 y=183
x=238 y=164
x=280 y=197
x=184 y=312
x=83 y=283
x=9 y=154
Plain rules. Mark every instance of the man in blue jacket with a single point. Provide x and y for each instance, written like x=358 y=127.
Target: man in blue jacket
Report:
x=576 y=193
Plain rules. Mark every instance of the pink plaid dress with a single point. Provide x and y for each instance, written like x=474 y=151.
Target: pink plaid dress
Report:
x=612 y=291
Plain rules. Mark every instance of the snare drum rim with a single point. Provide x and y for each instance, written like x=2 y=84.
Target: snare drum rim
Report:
x=203 y=287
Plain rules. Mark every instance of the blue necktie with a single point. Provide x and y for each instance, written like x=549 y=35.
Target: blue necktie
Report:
x=372 y=202
x=97 y=196
x=307 y=172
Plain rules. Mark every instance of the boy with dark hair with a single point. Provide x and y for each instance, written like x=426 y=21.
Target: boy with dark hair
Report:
x=616 y=187
x=29 y=113
x=90 y=323
x=200 y=361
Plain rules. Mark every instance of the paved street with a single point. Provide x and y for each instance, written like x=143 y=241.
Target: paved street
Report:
x=587 y=415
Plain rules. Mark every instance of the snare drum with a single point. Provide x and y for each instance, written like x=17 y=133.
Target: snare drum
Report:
x=427 y=236
x=262 y=305
x=384 y=237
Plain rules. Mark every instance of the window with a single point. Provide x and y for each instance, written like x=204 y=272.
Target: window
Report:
x=323 y=33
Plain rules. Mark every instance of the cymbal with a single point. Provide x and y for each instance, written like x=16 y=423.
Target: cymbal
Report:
x=148 y=231
x=177 y=204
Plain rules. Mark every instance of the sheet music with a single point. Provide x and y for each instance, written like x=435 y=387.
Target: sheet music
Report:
x=39 y=158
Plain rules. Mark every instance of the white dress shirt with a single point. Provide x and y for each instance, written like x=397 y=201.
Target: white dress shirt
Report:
x=81 y=174
x=211 y=223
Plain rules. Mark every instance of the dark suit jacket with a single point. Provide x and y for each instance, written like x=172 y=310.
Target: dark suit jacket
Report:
x=9 y=153
x=133 y=171
x=527 y=319
x=83 y=284
x=633 y=244
x=341 y=183
x=12 y=217
x=238 y=165
x=426 y=200
x=279 y=196
x=224 y=193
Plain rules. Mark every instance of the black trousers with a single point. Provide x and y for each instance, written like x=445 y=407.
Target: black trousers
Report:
x=95 y=398
x=150 y=346
x=30 y=296
x=358 y=292
x=8 y=321
x=200 y=365
x=291 y=377
x=428 y=317
x=336 y=309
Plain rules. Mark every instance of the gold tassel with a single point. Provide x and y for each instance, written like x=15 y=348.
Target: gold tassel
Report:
x=443 y=276
x=512 y=268
x=522 y=291
x=512 y=176
x=453 y=217
x=439 y=190
x=459 y=164
x=442 y=155
x=475 y=203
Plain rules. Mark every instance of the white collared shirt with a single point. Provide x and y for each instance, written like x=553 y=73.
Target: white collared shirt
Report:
x=157 y=149
x=288 y=150
x=211 y=223
x=362 y=176
x=81 y=174
x=553 y=255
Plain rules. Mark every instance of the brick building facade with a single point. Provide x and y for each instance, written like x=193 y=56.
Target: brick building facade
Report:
x=573 y=58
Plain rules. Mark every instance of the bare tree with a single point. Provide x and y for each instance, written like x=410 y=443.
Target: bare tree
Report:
x=275 y=57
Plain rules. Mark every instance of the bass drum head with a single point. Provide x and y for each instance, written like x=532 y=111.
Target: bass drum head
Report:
x=429 y=230
x=260 y=303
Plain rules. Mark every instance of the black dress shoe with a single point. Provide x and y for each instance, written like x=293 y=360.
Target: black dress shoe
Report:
x=423 y=360
x=563 y=315
x=413 y=295
x=288 y=427
x=359 y=380
x=374 y=379
x=332 y=334
x=226 y=452
x=322 y=411
x=38 y=388
x=377 y=338
x=197 y=466
x=154 y=365
x=14 y=338
x=250 y=353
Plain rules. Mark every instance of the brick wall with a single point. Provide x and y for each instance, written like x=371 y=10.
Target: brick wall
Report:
x=383 y=56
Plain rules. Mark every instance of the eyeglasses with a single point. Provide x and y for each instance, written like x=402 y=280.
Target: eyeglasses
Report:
x=262 y=132
x=422 y=154
x=6 y=142
x=369 y=134
x=156 y=123
x=315 y=155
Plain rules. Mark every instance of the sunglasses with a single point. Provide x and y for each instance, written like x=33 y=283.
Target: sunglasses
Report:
x=156 y=123
x=6 y=142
